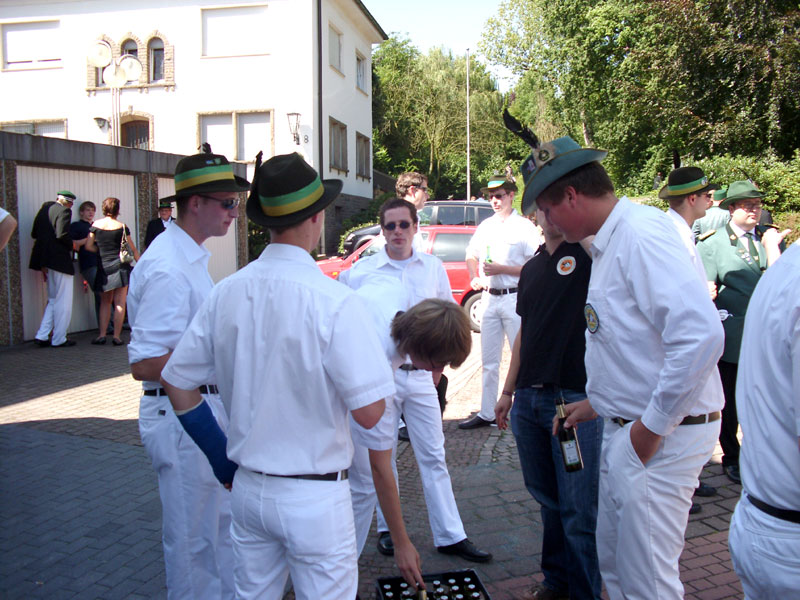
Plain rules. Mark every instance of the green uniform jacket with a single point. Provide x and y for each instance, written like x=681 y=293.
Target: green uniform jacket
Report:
x=729 y=264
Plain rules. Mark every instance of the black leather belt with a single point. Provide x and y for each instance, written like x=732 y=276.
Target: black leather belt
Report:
x=338 y=476
x=785 y=514
x=204 y=389
x=502 y=292
x=409 y=367
x=691 y=420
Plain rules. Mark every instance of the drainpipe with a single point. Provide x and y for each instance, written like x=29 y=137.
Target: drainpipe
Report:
x=320 y=164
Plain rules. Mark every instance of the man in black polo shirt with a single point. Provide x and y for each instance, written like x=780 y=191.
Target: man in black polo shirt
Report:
x=546 y=363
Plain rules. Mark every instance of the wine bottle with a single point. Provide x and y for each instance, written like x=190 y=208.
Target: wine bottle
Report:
x=570 y=449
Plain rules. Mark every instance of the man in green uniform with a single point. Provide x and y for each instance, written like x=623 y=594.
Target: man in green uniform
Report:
x=734 y=257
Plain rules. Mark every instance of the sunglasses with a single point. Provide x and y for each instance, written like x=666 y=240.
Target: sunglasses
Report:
x=395 y=224
x=227 y=204
x=497 y=196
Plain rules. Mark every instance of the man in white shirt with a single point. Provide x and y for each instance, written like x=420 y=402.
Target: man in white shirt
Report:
x=653 y=339
x=689 y=195
x=278 y=337
x=498 y=250
x=422 y=276
x=765 y=528
x=167 y=287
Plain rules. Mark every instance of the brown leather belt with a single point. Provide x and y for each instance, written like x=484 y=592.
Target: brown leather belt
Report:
x=338 y=476
x=690 y=420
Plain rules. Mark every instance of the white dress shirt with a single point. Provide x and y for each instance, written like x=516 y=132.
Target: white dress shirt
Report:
x=511 y=242
x=658 y=336
x=688 y=239
x=423 y=276
x=768 y=386
x=292 y=353
x=167 y=287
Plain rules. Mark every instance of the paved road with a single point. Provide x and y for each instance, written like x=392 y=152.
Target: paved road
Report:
x=81 y=514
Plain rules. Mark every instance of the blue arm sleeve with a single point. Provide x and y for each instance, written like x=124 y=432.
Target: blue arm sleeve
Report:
x=203 y=428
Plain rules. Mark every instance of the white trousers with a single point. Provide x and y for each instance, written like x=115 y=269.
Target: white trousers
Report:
x=417 y=399
x=58 y=310
x=643 y=510
x=499 y=319
x=198 y=554
x=284 y=526
x=765 y=552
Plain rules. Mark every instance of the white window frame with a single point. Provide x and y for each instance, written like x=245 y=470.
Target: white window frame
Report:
x=269 y=143
x=363 y=156
x=335 y=52
x=43 y=57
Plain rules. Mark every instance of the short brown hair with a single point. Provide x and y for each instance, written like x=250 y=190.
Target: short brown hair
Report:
x=397 y=203
x=407 y=180
x=111 y=207
x=435 y=330
x=590 y=180
x=85 y=205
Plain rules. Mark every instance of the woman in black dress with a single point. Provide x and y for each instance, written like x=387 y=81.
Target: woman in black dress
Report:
x=106 y=236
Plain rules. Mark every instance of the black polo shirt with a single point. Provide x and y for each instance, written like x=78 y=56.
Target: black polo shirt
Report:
x=551 y=299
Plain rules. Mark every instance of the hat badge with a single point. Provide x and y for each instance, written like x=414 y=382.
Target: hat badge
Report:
x=544 y=155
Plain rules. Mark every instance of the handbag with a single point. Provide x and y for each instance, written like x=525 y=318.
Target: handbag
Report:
x=125 y=252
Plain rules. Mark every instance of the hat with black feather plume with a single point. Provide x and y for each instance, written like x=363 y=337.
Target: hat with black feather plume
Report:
x=547 y=162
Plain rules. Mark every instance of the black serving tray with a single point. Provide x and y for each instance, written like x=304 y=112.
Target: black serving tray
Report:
x=395 y=588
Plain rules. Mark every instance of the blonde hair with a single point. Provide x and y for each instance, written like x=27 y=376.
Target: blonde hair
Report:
x=434 y=330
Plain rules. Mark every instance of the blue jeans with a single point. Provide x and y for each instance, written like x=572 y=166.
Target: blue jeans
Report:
x=568 y=500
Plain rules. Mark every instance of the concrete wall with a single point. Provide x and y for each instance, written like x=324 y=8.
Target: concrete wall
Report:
x=34 y=168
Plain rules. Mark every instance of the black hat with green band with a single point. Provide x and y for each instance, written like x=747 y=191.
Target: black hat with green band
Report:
x=205 y=173
x=684 y=181
x=287 y=190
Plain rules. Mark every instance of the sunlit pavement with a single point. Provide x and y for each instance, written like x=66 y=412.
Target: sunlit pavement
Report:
x=81 y=514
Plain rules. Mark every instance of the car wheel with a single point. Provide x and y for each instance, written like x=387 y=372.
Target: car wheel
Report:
x=474 y=311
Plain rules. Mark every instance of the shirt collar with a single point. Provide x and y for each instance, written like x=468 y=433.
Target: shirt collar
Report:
x=617 y=214
x=680 y=222
x=192 y=250
x=287 y=252
x=383 y=257
x=738 y=230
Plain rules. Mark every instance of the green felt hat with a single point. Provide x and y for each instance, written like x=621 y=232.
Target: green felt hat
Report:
x=287 y=190
x=205 y=173
x=165 y=202
x=67 y=194
x=719 y=195
x=740 y=190
x=684 y=181
x=550 y=162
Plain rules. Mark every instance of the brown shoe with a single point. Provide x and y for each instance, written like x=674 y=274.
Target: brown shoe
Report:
x=541 y=592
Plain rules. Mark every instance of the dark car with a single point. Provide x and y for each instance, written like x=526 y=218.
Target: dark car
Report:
x=435 y=212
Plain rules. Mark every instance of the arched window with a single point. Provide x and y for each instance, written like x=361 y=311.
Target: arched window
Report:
x=130 y=47
x=155 y=50
x=136 y=134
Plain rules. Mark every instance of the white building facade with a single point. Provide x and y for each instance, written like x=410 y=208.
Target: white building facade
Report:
x=246 y=76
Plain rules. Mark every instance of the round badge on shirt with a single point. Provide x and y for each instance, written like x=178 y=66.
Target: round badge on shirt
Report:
x=566 y=265
x=592 y=320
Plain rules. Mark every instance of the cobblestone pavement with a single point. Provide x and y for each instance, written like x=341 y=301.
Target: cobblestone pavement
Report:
x=81 y=514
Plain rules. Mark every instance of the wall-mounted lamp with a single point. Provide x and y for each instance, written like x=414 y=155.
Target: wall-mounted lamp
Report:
x=294 y=126
x=102 y=122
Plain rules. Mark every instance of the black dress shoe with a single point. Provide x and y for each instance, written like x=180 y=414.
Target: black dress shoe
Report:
x=42 y=343
x=466 y=550
x=732 y=471
x=704 y=490
x=65 y=344
x=475 y=422
x=385 y=544
x=402 y=434
x=696 y=508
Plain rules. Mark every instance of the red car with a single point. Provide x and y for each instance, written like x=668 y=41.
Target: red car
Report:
x=449 y=243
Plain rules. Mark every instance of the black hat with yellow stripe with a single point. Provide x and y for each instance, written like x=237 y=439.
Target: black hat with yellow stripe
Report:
x=287 y=190
x=205 y=173
x=684 y=181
